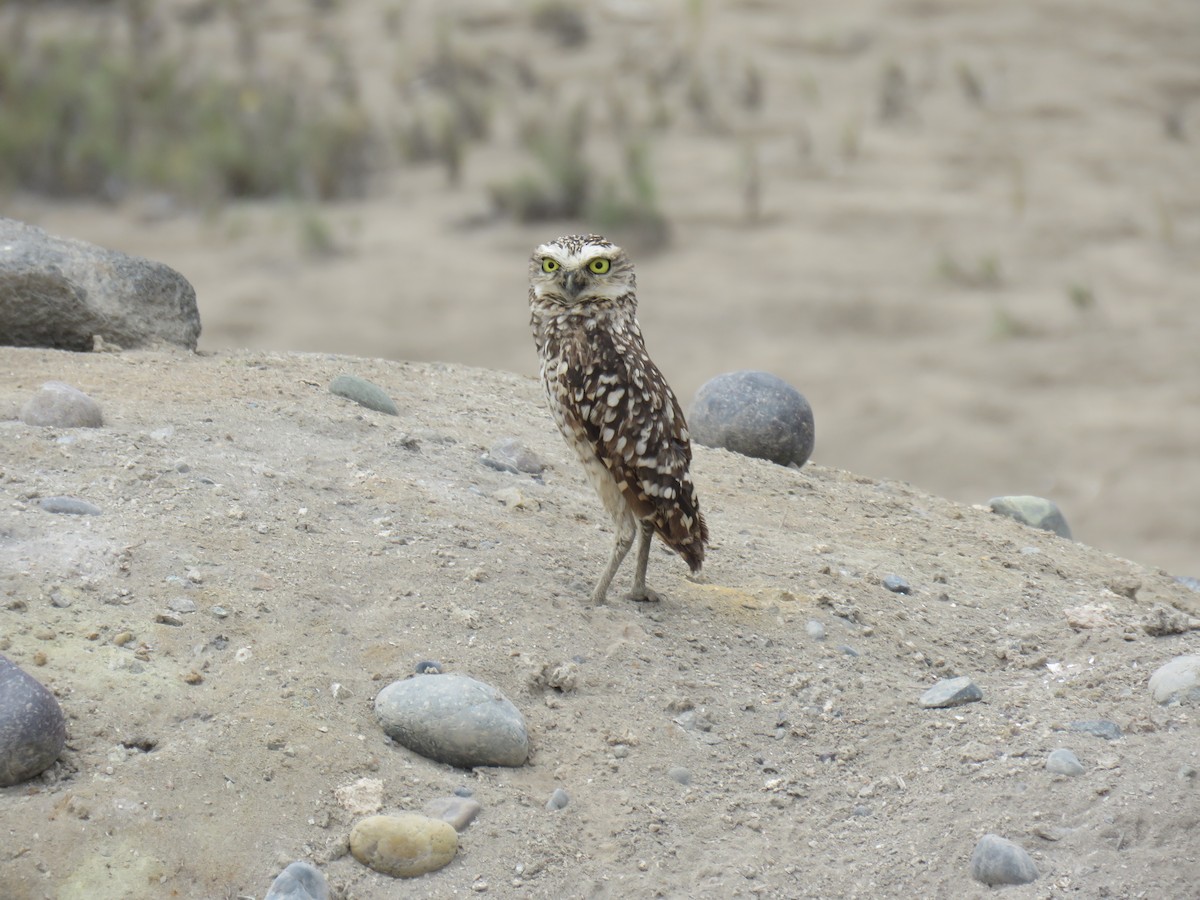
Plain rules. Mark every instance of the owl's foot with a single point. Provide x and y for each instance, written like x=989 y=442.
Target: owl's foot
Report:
x=644 y=595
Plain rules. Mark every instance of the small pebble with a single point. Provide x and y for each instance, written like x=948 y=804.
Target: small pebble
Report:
x=299 y=881
x=403 y=846
x=168 y=618
x=364 y=393
x=59 y=405
x=1178 y=681
x=951 y=692
x=755 y=414
x=458 y=811
x=1163 y=620
x=896 y=584
x=680 y=774
x=510 y=455
x=360 y=798
x=1036 y=512
x=999 y=861
x=558 y=800
x=32 y=726
x=455 y=720
x=70 y=506
x=1101 y=728
x=815 y=630
x=1063 y=762
x=181 y=605
x=429 y=667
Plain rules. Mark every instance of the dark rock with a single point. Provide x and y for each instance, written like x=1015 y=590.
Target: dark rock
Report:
x=32 y=726
x=1036 y=512
x=951 y=692
x=999 y=861
x=755 y=414
x=458 y=811
x=58 y=405
x=455 y=720
x=896 y=584
x=68 y=506
x=299 y=881
x=62 y=293
x=364 y=393
x=1101 y=728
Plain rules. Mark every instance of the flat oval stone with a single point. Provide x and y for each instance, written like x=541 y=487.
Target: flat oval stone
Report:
x=59 y=405
x=454 y=719
x=364 y=393
x=32 y=726
x=299 y=881
x=70 y=506
x=403 y=846
x=951 y=692
x=1178 y=681
x=996 y=860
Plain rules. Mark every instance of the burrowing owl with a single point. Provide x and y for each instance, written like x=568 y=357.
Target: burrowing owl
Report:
x=611 y=403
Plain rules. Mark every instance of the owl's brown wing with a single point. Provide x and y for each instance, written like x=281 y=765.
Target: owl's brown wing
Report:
x=636 y=428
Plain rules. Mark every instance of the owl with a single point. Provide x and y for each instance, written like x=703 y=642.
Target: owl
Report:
x=611 y=403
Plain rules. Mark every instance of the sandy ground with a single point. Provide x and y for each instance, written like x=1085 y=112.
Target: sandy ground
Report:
x=980 y=271
x=343 y=546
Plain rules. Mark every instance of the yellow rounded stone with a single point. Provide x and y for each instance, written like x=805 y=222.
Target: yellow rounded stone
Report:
x=403 y=846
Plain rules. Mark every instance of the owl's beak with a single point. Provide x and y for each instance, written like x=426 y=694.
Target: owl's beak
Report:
x=574 y=282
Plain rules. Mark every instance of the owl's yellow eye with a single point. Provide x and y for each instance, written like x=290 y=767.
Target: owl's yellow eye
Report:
x=549 y=265
x=599 y=266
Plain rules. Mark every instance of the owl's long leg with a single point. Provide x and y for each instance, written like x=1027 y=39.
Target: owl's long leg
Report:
x=620 y=549
x=640 y=591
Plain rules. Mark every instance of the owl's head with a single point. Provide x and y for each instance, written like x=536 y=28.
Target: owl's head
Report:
x=584 y=273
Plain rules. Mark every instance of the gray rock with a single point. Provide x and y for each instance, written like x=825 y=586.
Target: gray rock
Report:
x=32 y=726
x=458 y=811
x=1036 y=512
x=998 y=861
x=755 y=414
x=951 y=692
x=896 y=584
x=815 y=630
x=61 y=293
x=679 y=774
x=1178 y=681
x=455 y=720
x=1063 y=762
x=71 y=506
x=364 y=393
x=299 y=881
x=510 y=455
x=1101 y=728
x=558 y=800
x=58 y=405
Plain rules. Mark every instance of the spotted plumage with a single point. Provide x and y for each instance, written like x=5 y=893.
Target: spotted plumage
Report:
x=611 y=403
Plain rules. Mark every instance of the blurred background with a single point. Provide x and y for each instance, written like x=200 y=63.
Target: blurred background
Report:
x=968 y=232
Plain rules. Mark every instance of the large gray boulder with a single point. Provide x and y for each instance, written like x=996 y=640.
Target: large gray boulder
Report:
x=62 y=293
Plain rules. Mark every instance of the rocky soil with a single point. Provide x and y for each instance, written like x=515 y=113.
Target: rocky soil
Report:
x=269 y=555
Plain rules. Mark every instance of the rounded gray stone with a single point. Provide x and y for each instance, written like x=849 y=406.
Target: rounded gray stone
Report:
x=1037 y=512
x=679 y=774
x=32 y=726
x=558 y=800
x=755 y=414
x=364 y=393
x=1101 y=728
x=511 y=455
x=951 y=692
x=299 y=881
x=1178 y=681
x=71 y=506
x=996 y=860
x=58 y=405
x=815 y=630
x=1064 y=762
x=454 y=719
